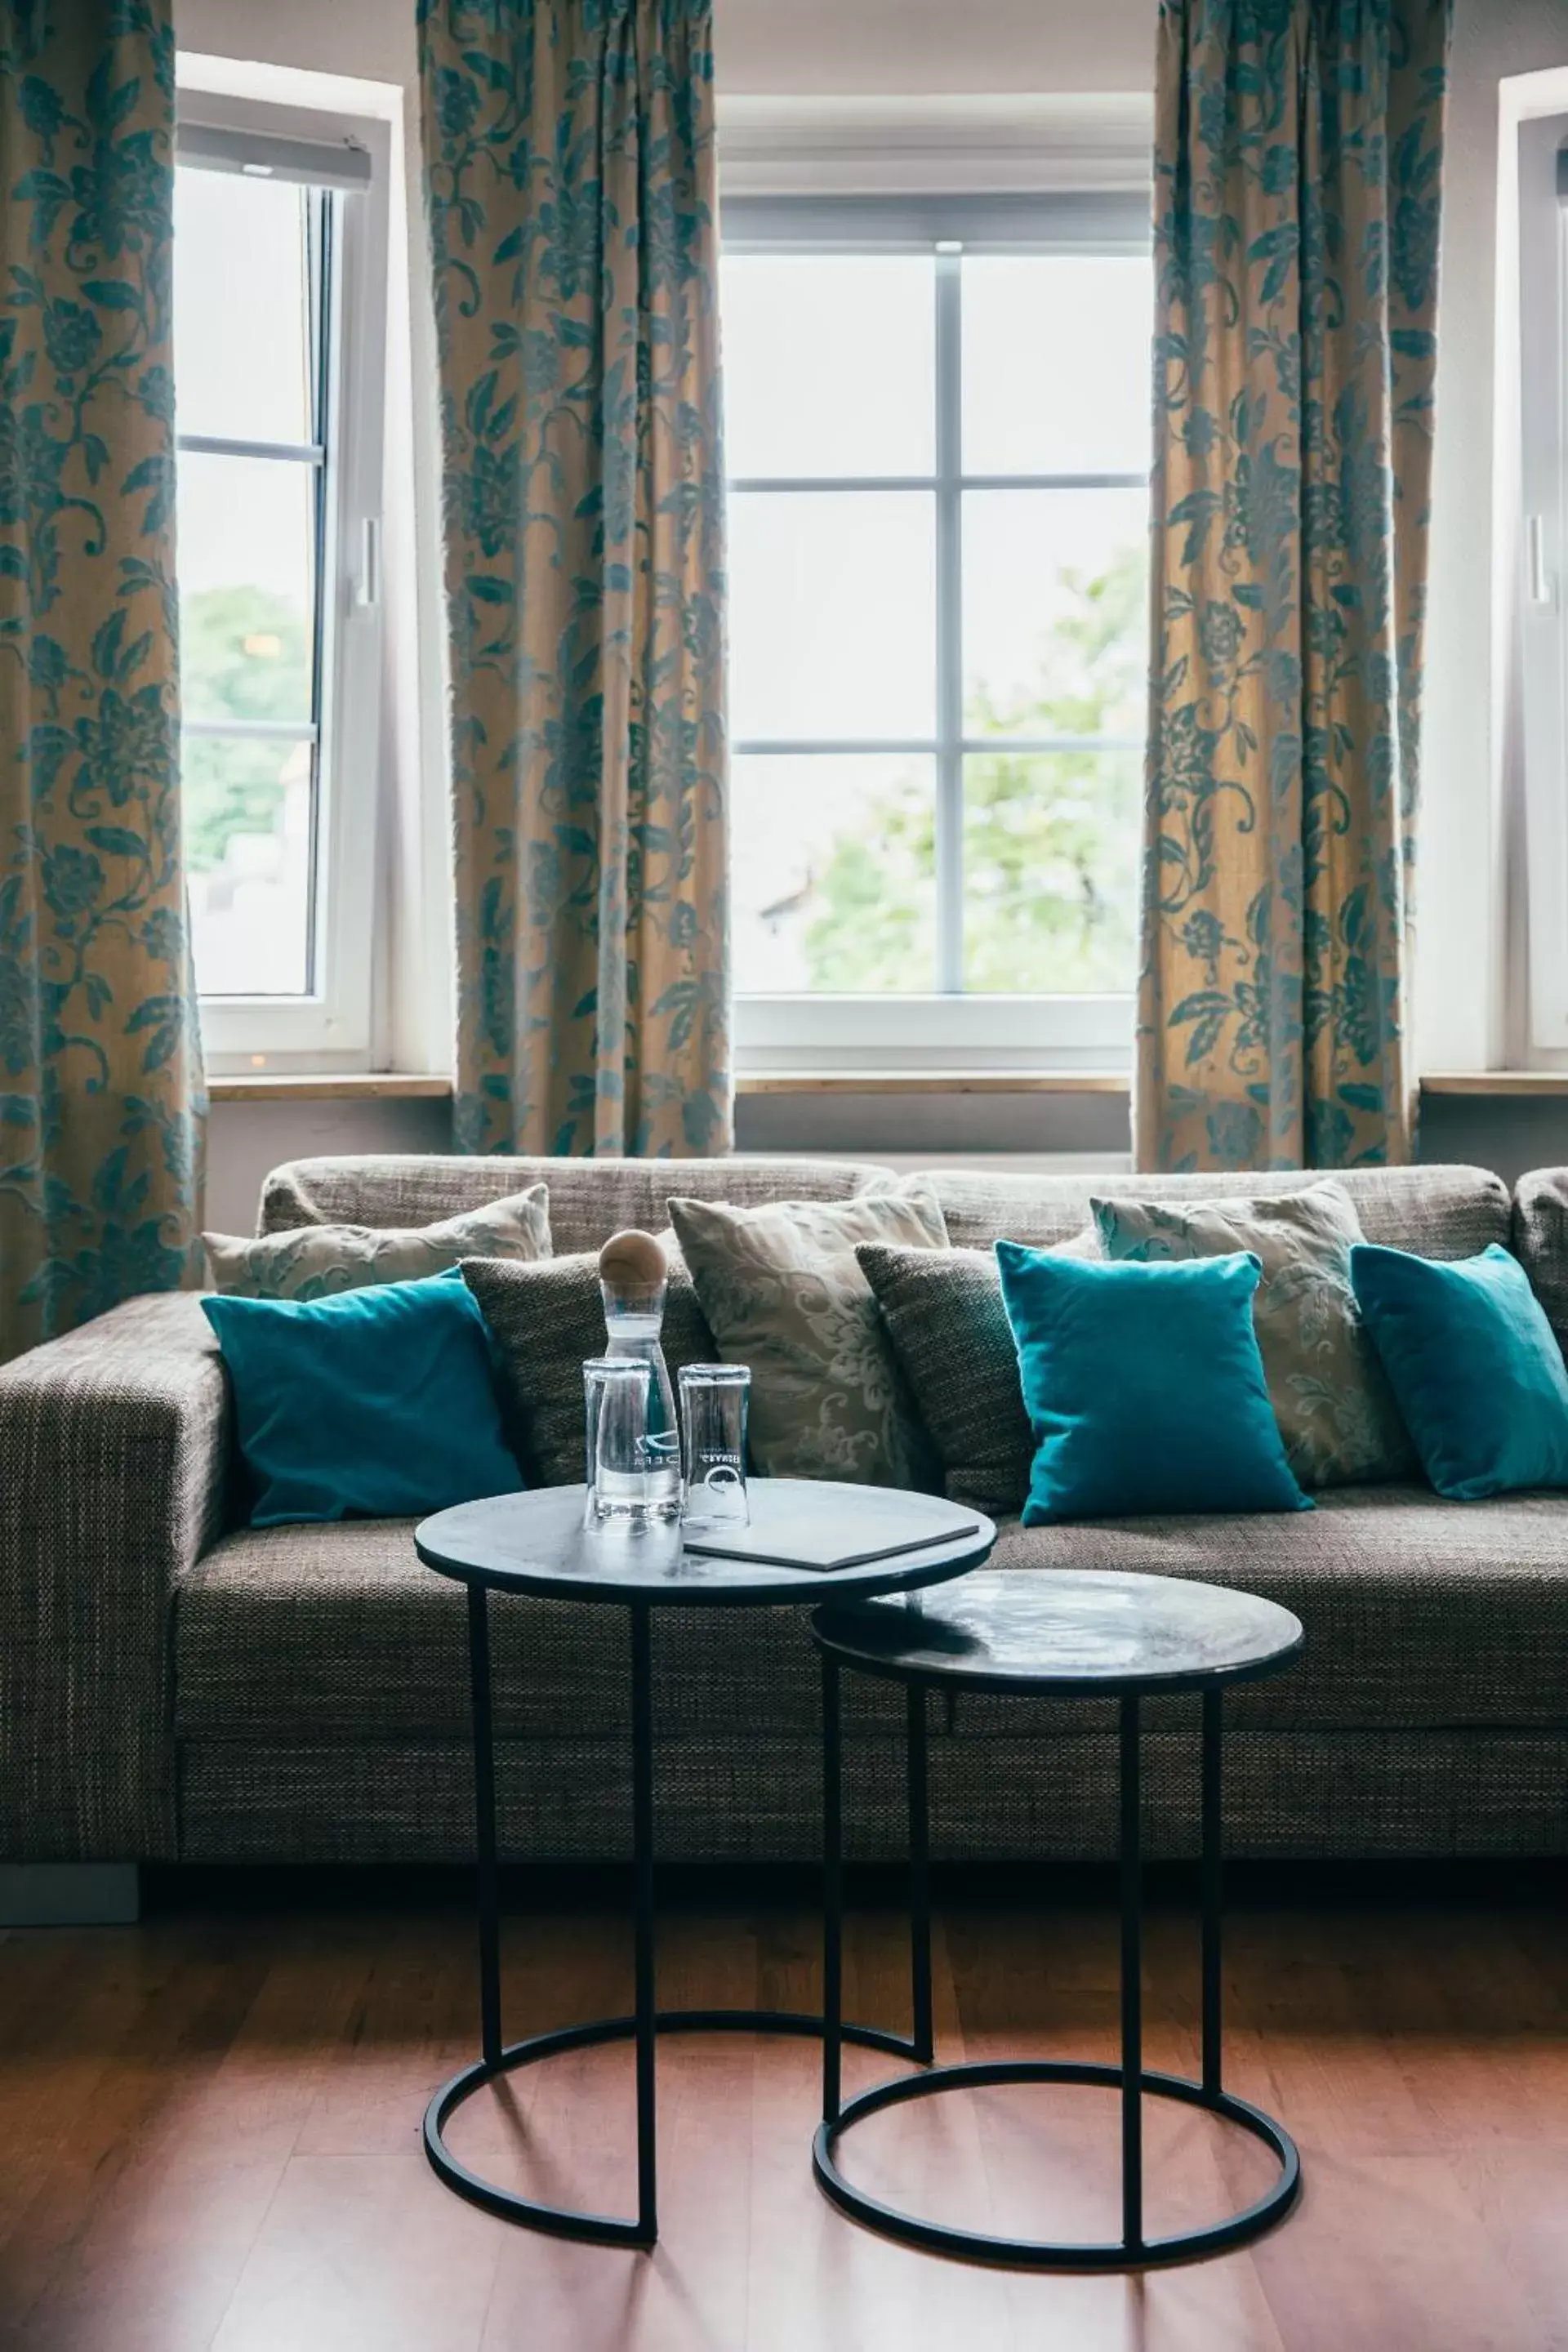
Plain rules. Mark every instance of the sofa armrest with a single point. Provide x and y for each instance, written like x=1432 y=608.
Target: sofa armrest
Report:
x=112 y=1479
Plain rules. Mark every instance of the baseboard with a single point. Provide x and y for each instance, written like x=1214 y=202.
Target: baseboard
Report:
x=69 y=1894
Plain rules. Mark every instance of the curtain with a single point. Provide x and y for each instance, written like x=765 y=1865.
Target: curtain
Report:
x=570 y=176
x=1297 y=162
x=99 y=1061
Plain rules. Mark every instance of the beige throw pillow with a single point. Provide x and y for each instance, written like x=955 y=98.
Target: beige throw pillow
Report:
x=1330 y=1397
x=782 y=1292
x=318 y=1261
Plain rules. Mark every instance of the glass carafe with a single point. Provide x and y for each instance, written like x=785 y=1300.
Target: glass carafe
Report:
x=632 y=1280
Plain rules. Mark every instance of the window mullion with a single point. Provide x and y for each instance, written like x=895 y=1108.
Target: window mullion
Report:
x=949 y=622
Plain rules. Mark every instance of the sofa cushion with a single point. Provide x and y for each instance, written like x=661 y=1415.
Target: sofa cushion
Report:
x=312 y=1634
x=589 y=1199
x=545 y=1321
x=1417 y=1612
x=1539 y=1239
x=310 y=1262
x=1438 y=1212
x=783 y=1294
x=1419 y=1615
x=1330 y=1393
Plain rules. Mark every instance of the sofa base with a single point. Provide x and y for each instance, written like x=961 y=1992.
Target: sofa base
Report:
x=69 y=1894
x=1332 y=1795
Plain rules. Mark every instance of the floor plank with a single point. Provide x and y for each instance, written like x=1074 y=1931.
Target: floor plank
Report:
x=209 y=2131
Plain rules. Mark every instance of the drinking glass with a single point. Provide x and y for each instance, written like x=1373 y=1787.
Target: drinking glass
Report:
x=621 y=1484
x=713 y=1421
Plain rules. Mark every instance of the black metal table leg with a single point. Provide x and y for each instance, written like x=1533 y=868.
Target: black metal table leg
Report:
x=647 y=2021
x=485 y=1824
x=1131 y=2080
x=832 y=1894
x=923 y=2036
x=1131 y=2069
x=642 y=1864
x=1211 y=1866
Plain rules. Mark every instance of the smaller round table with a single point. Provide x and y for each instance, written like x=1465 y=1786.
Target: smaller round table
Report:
x=1067 y=1635
x=537 y=1543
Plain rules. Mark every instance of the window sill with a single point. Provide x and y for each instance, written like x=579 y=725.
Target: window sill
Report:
x=341 y=1085
x=1522 y=1084
x=393 y=1086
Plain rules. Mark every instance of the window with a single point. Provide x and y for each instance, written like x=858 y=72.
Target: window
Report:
x=277 y=371
x=1544 y=606
x=937 y=420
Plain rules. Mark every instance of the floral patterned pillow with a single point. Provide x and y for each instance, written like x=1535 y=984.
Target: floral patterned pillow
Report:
x=318 y=1261
x=782 y=1291
x=1330 y=1397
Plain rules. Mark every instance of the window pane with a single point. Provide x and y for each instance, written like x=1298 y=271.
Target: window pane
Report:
x=242 y=341
x=829 y=365
x=247 y=808
x=1050 y=872
x=833 y=884
x=1055 y=631
x=1057 y=368
x=832 y=614
x=246 y=586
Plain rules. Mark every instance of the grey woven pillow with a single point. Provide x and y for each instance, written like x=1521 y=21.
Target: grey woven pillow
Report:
x=311 y=1262
x=546 y=1320
x=949 y=1332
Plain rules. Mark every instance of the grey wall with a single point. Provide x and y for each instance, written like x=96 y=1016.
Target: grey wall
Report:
x=245 y=1140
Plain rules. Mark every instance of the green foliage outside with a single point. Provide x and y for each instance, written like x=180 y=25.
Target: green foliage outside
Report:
x=1049 y=841
x=243 y=653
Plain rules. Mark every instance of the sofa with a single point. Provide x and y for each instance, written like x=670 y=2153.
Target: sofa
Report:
x=178 y=1687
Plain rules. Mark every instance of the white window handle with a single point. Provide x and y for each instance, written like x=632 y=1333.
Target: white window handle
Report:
x=367 y=590
x=1535 y=560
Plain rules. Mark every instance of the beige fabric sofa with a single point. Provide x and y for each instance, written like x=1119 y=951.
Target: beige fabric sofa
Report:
x=175 y=1686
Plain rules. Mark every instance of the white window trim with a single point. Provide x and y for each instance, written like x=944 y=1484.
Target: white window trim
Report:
x=949 y=1030
x=336 y=1023
x=1543 y=566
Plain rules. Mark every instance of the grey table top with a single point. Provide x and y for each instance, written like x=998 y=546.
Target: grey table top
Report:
x=536 y=1543
x=1074 y=1631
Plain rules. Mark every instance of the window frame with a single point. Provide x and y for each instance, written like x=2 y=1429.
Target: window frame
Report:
x=1542 y=555
x=947 y=1028
x=334 y=1022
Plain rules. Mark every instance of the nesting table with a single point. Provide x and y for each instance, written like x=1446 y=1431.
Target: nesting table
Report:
x=1065 y=1635
x=537 y=1543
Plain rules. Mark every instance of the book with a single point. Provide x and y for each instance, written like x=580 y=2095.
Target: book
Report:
x=803 y=1526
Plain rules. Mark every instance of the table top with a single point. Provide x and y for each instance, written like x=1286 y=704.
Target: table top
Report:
x=537 y=1543
x=1073 y=1631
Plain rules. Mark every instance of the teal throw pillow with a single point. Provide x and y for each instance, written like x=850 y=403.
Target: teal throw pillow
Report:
x=1143 y=1386
x=375 y=1404
x=1473 y=1365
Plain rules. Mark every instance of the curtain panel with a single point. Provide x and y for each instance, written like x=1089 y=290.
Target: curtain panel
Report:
x=101 y=1088
x=1298 y=169
x=570 y=174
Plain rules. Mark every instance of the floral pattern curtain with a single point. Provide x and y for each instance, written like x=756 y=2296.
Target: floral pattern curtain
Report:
x=1297 y=164
x=570 y=170
x=99 y=1061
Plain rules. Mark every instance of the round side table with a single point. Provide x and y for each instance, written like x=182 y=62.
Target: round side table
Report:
x=1065 y=1635
x=537 y=1543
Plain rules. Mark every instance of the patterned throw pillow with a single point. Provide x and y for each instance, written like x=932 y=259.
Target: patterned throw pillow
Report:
x=1331 y=1396
x=545 y=1321
x=782 y=1293
x=318 y=1261
x=944 y=1315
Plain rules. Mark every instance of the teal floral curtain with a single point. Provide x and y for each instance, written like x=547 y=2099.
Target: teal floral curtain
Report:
x=1297 y=168
x=99 y=1061
x=570 y=170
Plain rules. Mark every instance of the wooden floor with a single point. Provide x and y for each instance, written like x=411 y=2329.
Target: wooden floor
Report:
x=209 y=2132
